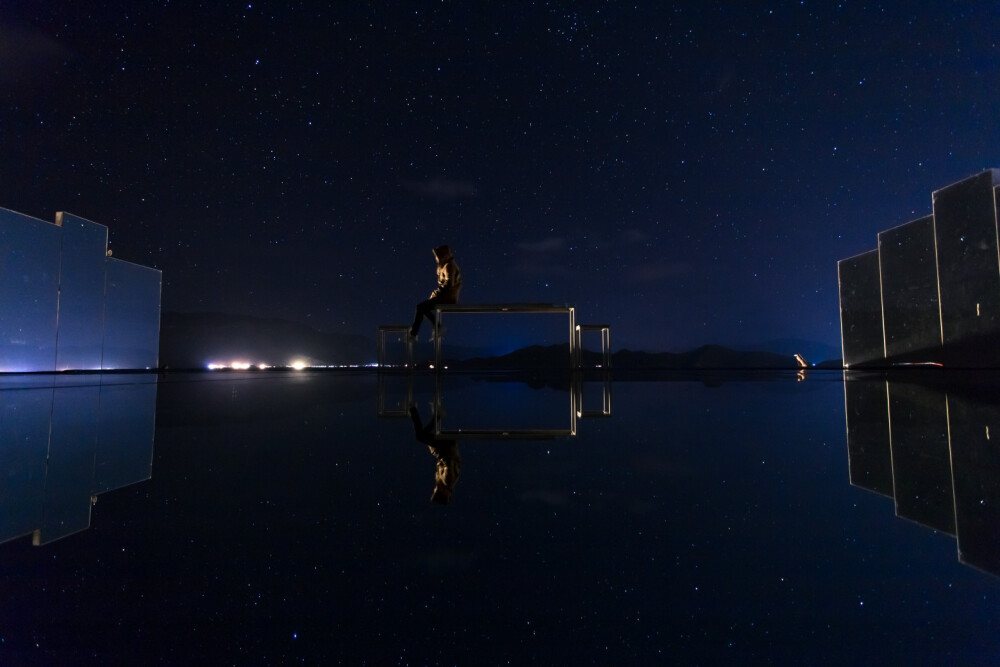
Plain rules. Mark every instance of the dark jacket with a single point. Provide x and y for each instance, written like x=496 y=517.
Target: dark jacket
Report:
x=449 y=276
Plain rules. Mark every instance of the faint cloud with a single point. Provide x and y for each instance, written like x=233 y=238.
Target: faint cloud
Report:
x=553 y=244
x=654 y=273
x=443 y=189
x=635 y=236
x=542 y=258
x=28 y=55
x=546 y=269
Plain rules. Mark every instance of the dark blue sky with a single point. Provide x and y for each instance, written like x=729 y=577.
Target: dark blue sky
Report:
x=687 y=172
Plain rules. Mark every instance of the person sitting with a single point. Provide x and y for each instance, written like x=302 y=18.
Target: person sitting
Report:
x=449 y=284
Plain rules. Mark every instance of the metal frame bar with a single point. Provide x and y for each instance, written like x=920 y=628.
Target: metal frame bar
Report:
x=440 y=309
x=383 y=331
x=605 y=331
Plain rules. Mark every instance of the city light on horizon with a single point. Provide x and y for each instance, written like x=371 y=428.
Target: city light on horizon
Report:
x=296 y=364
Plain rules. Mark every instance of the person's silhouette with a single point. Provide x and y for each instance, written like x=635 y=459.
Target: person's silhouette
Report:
x=445 y=451
x=449 y=284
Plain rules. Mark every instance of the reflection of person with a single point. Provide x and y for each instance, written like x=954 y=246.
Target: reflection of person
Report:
x=449 y=279
x=449 y=463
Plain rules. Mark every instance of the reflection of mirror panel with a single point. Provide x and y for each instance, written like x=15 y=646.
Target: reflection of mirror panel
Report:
x=966 y=236
x=125 y=434
x=921 y=466
x=24 y=444
x=81 y=293
x=908 y=271
x=861 y=309
x=70 y=470
x=975 y=458
x=60 y=446
x=29 y=284
x=132 y=316
x=868 y=453
x=945 y=466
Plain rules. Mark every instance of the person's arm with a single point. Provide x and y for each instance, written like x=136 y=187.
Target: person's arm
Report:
x=444 y=279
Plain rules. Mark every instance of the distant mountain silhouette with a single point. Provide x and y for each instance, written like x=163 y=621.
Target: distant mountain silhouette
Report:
x=707 y=356
x=813 y=351
x=192 y=340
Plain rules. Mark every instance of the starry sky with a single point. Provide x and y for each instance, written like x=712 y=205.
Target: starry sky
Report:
x=687 y=172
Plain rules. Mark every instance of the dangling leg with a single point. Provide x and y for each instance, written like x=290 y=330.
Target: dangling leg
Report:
x=424 y=309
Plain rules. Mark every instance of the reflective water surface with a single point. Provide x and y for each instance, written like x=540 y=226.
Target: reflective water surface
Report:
x=332 y=517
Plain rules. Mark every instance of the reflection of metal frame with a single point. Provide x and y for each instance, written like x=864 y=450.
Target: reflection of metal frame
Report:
x=383 y=410
x=441 y=309
x=513 y=433
x=605 y=410
x=576 y=409
x=383 y=331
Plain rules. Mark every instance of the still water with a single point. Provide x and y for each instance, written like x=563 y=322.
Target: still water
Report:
x=274 y=518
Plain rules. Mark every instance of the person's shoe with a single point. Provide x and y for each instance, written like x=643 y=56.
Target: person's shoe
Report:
x=437 y=333
x=411 y=337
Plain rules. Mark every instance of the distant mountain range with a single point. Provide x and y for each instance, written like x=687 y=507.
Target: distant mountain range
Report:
x=193 y=340
x=705 y=357
x=812 y=351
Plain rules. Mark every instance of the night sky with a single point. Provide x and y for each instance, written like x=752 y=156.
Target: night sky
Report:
x=688 y=172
